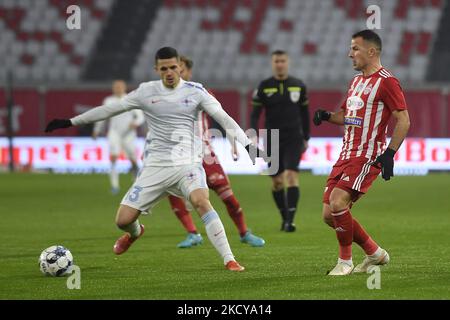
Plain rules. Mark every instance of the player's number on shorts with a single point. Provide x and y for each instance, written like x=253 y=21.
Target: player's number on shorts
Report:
x=134 y=195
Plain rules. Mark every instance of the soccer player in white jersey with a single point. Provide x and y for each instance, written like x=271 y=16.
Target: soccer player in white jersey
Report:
x=122 y=133
x=174 y=165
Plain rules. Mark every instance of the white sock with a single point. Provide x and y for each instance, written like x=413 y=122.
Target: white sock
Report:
x=377 y=253
x=347 y=262
x=216 y=234
x=114 y=177
x=134 y=229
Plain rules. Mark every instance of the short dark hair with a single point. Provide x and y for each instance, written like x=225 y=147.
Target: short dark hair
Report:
x=166 y=53
x=278 y=52
x=187 y=62
x=370 y=36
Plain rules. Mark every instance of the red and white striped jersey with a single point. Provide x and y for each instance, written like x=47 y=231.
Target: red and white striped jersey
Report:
x=367 y=109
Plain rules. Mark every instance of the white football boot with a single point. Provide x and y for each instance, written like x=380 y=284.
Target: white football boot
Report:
x=380 y=259
x=342 y=268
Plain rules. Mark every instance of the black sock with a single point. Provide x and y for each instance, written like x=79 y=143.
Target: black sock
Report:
x=280 y=200
x=293 y=196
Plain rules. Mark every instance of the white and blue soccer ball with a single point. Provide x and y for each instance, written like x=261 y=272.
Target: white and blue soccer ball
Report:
x=56 y=261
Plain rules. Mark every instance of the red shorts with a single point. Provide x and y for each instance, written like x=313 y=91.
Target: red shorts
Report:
x=215 y=176
x=354 y=176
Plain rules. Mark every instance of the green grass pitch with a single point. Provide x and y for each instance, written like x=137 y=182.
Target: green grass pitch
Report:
x=409 y=216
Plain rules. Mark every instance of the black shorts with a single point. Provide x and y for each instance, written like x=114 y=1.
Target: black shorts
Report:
x=291 y=147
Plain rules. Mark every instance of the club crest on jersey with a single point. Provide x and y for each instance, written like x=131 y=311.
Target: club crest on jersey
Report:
x=353 y=121
x=354 y=103
x=186 y=102
x=359 y=87
x=295 y=96
x=191 y=176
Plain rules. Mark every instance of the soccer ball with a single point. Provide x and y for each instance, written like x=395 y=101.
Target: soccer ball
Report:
x=55 y=261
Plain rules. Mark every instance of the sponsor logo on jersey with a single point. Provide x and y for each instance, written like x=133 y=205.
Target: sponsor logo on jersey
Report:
x=353 y=121
x=355 y=103
x=345 y=178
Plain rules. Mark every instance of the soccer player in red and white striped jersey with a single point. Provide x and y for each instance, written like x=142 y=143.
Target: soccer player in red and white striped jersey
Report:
x=373 y=97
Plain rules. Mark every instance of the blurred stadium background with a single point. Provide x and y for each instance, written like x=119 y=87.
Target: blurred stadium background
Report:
x=57 y=72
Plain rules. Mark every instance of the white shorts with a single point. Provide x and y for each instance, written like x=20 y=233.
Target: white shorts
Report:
x=154 y=183
x=118 y=143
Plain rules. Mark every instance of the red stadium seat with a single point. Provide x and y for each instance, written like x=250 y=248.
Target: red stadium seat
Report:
x=286 y=25
x=424 y=43
x=402 y=9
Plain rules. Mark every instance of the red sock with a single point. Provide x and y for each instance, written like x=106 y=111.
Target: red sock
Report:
x=234 y=210
x=362 y=238
x=183 y=215
x=343 y=223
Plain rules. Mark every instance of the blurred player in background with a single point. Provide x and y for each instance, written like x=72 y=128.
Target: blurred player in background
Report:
x=285 y=101
x=121 y=133
x=217 y=180
x=173 y=165
x=373 y=97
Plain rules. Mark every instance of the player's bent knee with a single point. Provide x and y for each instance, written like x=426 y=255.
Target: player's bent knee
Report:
x=337 y=205
x=339 y=200
x=328 y=220
x=327 y=217
x=202 y=205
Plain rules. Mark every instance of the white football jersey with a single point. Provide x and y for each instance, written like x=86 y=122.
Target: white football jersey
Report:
x=172 y=117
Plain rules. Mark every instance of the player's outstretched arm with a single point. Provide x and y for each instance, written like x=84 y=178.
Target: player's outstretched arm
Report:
x=386 y=160
x=333 y=117
x=93 y=115
x=233 y=130
x=58 y=124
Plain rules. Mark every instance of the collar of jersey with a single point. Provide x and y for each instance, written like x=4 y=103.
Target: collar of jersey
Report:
x=373 y=74
x=164 y=88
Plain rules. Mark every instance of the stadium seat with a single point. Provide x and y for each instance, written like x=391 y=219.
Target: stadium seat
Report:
x=227 y=34
x=35 y=36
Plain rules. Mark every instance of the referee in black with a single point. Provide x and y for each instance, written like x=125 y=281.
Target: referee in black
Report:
x=285 y=101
